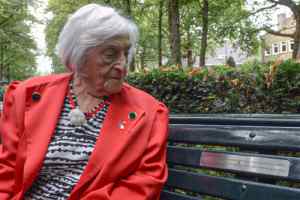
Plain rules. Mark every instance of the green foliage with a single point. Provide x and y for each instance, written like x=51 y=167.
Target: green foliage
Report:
x=223 y=89
x=17 y=47
x=227 y=19
x=61 y=9
x=286 y=86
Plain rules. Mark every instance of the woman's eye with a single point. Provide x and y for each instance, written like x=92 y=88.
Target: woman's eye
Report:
x=109 y=56
x=110 y=53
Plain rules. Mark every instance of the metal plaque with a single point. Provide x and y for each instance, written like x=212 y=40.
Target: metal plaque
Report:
x=252 y=164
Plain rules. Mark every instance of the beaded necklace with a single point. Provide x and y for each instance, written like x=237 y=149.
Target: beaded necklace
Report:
x=77 y=117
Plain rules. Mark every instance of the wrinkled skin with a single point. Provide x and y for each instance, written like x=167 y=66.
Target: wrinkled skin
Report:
x=103 y=71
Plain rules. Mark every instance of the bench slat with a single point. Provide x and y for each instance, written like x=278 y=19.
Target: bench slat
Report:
x=228 y=188
x=280 y=120
x=250 y=137
x=276 y=167
x=167 y=195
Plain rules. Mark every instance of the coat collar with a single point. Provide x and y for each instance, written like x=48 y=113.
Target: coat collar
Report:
x=41 y=118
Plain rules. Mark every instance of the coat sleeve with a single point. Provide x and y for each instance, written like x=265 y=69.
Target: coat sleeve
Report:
x=9 y=134
x=147 y=181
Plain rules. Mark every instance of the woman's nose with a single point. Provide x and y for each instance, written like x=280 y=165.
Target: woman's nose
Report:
x=120 y=65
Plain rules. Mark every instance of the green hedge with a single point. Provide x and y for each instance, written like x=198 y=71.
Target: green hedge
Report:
x=250 y=88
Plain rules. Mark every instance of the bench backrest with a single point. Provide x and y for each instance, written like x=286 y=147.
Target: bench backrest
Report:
x=238 y=157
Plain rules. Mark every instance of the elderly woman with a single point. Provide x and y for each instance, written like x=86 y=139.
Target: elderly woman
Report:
x=84 y=135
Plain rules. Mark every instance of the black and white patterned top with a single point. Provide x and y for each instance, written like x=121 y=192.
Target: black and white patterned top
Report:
x=67 y=156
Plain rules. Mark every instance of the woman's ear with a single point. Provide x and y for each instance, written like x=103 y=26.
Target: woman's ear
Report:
x=81 y=71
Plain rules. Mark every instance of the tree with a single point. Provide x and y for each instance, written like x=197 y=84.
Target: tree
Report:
x=174 y=31
x=61 y=9
x=205 y=10
x=17 y=48
x=294 y=6
x=193 y=27
x=222 y=20
x=160 y=33
x=234 y=24
x=190 y=23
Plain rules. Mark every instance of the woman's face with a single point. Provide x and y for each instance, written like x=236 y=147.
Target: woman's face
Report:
x=104 y=69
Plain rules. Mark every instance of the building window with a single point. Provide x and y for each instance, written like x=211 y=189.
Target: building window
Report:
x=275 y=48
x=283 y=47
x=291 y=46
x=267 y=51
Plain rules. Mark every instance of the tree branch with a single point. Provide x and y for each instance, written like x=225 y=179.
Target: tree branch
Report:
x=255 y=12
x=3 y=22
x=278 y=33
x=262 y=9
x=288 y=3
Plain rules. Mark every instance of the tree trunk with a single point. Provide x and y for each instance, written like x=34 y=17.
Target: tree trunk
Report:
x=128 y=7
x=204 y=33
x=1 y=61
x=189 y=49
x=296 y=50
x=129 y=13
x=262 y=50
x=143 y=55
x=8 y=73
x=173 y=10
x=161 y=4
x=132 y=65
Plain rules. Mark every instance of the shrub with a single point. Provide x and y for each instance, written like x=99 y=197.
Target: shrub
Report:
x=257 y=88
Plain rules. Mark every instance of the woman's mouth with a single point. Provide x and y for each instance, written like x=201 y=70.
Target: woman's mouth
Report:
x=116 y=77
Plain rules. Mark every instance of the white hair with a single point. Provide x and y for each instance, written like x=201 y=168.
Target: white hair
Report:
x=90 y=26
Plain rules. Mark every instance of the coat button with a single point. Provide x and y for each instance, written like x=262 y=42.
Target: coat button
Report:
x=36 y=96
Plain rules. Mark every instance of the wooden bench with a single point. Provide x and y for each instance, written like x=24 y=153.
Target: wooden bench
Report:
x=236 y=157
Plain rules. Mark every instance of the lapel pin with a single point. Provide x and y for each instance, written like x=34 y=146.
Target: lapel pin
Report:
x=36 y=96
x=105 y=98
x=132 y=115
x=122 y=125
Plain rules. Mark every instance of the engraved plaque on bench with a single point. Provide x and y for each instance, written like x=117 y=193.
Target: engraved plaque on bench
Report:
x=252 y=164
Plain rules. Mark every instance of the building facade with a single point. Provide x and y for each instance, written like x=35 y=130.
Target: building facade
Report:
x=279 y=47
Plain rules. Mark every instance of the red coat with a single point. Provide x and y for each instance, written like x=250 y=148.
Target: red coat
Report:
x=127 y=163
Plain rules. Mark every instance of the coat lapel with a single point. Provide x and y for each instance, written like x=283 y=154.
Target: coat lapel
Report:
x=40 y=122
x=115 y=134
